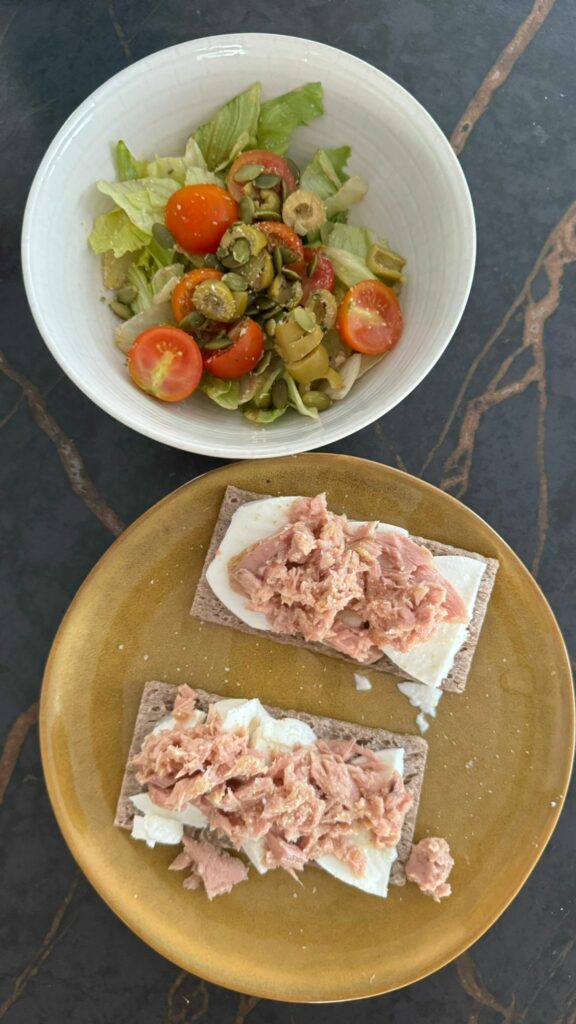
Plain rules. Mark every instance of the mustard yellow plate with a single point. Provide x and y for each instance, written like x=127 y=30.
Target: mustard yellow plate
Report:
x=498 y=766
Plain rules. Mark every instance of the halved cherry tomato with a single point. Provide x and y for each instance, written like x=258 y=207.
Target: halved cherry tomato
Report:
x=280 y=234
x=183 y=294
x=166 y=362
x=370 y=319
x=271 y=164
x=323 y=276
x=198 y=216
x=241 y=356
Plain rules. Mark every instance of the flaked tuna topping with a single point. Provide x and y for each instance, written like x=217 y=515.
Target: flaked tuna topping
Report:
x=209 y=866
x=302 y=803
x=353 y=588
x=429 y=865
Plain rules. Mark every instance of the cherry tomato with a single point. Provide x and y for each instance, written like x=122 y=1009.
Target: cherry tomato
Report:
x=370 y=319
x=198 y=216
x=241 y=356
x=183 y=294
x=271 y=164
x=280 y=234
x=323 y=276
x=166 y=362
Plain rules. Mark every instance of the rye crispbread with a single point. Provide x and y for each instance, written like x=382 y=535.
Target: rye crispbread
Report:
x=209 y=608
x=158 y=701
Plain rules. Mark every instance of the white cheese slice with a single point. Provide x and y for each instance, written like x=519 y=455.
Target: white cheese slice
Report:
x=189 y=815
x=157 y=825
x=429 y=662
x=156 y=828
x=362 y=682
x=425 y=698
x=168 y=722
x=251 y=523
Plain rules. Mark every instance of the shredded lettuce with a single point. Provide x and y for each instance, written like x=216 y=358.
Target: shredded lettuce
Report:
x=164 y=281
x=350 y=237
x=279 y=117
x=218 y=137
x=225 y=393
x=143 y=200
x=115 y=232
x=128 y=330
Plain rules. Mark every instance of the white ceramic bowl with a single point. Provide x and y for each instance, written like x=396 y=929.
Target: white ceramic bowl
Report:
x=418 y=199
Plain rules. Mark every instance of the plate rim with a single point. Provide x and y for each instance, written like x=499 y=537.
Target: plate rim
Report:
x=50 y=773
x=162 y=433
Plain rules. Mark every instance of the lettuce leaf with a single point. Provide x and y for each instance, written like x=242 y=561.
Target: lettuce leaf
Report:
x=325 y=174
x=143 y=200
x=218 y=137
x=295 y=399
x=354 y=239
x=127 y=166
x=144 y=299
x=189 y=169
x=164 y=281
x=225 y=393
x=115 y=232
x=280 y=116
x=352 y=191
x=349 y=268
x=263 y=415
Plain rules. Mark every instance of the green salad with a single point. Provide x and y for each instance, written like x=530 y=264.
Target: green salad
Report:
x=235 y=272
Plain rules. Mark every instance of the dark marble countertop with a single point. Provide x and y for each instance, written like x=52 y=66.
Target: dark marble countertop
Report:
x=494 y=424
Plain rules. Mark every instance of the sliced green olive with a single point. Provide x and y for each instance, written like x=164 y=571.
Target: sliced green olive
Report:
x=246 y=209
x=269 y=200
x=312 y=367
x=317 y=400
x=284 y=292
x=324 y=306
x=258 y=272
x=241 y=302
x=215 y=301
x=240 y=242
x=386 y=264
x=293 y=343
x=304 y=211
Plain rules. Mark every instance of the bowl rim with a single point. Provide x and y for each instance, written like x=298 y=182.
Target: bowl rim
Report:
x=269 y=445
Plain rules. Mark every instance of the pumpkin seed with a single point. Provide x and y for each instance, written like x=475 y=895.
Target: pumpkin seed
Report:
x=195 y=260
x=211 y=261
x=285 y=190
x=263 y=364
x=294 y=168
x=290 y=274
x=121 y=310
x=262 y=401
x=127 y=294
x=241 y=251
x=267 y=215
x=218 y=343
x=229 y=262
x=248 y=172
x=246 y=210
x=277 y=257
x=192 y=321
x=271 y=312
x=305 y=319
x=261 y=303
x=164 y=237
x=270 y=327
x=267 y=180
x=312 y=266
x=317 y=400
x=279 y=393
x=288 y=255
x=234 y=282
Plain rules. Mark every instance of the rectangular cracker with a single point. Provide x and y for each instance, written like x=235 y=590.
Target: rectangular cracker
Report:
x=209 y=608
x=158 y=701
